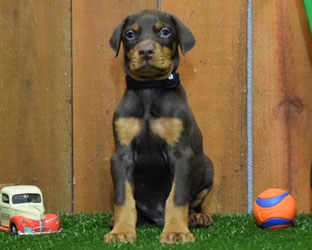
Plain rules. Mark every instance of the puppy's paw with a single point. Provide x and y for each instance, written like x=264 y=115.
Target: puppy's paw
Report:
x=200 y=220
x=176 y=237
x=124 y=237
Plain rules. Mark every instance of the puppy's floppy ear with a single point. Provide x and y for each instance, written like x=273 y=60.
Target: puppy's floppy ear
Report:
x=115 y=39
x=186 y=38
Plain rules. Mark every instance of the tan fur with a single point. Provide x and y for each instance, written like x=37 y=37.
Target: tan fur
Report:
x=125 y=218
x=176 y=228
x=159 y=25
x=199 y=198
x=136 y=27
x=162 y=63
x=163 y=56
x=127 y=129
x=169 y=129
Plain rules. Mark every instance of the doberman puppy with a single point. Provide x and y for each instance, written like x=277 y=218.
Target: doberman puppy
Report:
x=159 y=170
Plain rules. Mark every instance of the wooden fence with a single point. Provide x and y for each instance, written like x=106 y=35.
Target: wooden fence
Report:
x=60 y=83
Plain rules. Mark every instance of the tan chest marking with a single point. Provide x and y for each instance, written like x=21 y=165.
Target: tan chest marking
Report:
x=169 y=129
x=127 y=129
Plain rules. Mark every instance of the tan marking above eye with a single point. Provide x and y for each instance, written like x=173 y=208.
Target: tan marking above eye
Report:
x=169 y=129
x=136 y=27
x=127 y=129
x=159 y=25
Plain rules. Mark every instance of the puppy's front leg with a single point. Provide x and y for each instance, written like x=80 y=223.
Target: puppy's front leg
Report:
x=125 y=214
x=176 y=229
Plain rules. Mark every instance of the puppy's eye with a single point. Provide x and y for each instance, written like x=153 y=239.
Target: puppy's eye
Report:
x=130 y=35
x=165 y=33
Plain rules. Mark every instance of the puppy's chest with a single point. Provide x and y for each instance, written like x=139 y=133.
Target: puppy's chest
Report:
x=168 y=129
x=148 y=118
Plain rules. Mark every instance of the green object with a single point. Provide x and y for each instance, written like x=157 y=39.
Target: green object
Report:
x=308 y=6
x=233 y=232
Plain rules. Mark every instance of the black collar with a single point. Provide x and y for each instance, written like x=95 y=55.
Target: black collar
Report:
x=172 y=82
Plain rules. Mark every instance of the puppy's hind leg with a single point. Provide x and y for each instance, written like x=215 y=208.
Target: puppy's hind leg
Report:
x=197 y=218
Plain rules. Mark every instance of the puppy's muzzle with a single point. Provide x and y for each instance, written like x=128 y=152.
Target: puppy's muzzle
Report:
x=146 y=50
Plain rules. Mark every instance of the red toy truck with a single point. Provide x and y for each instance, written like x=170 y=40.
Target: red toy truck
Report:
x=22 y=212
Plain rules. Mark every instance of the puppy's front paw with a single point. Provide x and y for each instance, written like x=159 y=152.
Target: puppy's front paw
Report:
x=176 y=237
x=124 y=237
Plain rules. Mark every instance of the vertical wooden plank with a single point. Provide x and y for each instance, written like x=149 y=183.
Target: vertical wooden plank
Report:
x=214 y=76
x=35 y=97
x=282 y=101
x=98 y=87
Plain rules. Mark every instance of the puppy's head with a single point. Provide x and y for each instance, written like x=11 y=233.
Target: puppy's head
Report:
x=151 y=39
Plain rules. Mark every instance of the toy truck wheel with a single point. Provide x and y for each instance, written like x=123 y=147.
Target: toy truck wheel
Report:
x=14 y=229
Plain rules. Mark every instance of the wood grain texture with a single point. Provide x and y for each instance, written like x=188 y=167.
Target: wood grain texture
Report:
x=282 y=101
x=35 y=98
x=99 y=85
x=214 y=76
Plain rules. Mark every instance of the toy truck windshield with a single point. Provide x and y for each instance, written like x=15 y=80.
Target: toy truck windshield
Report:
x=26 y=198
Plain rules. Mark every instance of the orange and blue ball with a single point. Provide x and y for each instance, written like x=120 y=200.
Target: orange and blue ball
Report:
x=275 y=209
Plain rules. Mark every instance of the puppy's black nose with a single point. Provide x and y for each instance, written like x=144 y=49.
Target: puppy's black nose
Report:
x=146 y=51
x=146 y=54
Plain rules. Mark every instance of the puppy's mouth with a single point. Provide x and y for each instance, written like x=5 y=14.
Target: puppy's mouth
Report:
x=149 y=69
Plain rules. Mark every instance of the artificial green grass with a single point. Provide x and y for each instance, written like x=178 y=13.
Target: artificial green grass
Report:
x=86 y=231
x=308 y=6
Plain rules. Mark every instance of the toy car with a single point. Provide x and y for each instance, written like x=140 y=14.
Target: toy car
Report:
x=22 y=212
